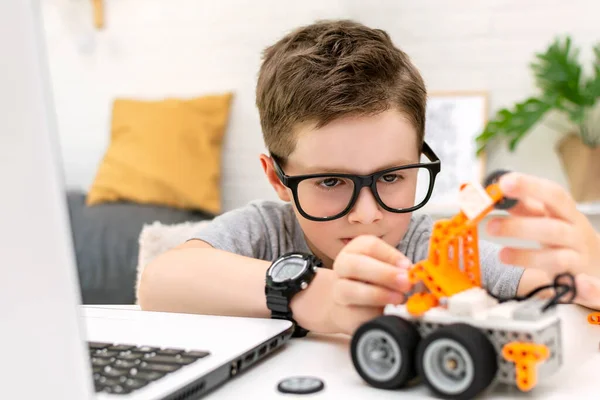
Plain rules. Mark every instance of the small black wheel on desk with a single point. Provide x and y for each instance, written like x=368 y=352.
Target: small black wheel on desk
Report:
x=506 y=203
x=301 y=385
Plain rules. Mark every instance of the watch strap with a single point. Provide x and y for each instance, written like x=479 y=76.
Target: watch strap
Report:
x=278 y=303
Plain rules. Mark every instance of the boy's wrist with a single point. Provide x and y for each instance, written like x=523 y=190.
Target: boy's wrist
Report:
x=531 y=279
x=309 y=307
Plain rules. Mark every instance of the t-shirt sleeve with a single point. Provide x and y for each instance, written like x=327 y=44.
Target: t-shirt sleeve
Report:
x=498 y=278
x=241 y=231
x=415 y=244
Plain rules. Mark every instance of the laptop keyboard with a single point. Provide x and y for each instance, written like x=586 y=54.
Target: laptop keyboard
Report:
x=121 y=369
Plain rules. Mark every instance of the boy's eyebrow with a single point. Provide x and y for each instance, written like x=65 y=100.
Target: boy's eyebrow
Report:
x=345 y=170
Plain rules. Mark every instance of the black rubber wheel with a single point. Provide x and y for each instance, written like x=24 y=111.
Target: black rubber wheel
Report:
x=457 y=362
x=506 y=203
x=383 y=351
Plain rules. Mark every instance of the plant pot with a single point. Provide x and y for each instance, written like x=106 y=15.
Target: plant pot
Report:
x=582 y=166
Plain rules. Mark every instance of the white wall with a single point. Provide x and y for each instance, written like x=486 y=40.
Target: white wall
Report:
x=156 y=48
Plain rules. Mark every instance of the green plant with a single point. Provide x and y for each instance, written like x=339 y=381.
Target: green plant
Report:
x=558 y=75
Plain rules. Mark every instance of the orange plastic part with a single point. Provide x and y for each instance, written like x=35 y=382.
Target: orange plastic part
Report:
x=441 y=272
x=419 y=303
x=594 y=318
x=525 y=356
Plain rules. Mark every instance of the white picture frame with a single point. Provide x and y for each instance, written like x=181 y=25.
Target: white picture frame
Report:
x=453 y=121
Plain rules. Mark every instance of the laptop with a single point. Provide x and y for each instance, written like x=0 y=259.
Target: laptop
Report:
x=52 y=346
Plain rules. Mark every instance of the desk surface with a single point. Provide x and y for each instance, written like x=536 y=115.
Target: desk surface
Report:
x=328 y=357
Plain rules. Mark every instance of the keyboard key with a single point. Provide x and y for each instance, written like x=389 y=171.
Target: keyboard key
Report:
x=105 y=354
x=171 y=359
x=158 y=358
x=116 y=389
x=121 y=347
x=98 y=345
x=128 y=355
x=133 y=383
x=146 y=349
x=114 y=372
x=170 y=352
x=125 y=363
x=103 y=380
x=185 y=360
x=148 y=375
x=120 y=389
x=196 y=354
x=146 y=366
x=101 y=362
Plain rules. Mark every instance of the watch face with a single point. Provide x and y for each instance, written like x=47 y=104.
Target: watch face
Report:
x=288 y=268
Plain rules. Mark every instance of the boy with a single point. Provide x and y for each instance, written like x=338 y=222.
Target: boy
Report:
x=334 y=97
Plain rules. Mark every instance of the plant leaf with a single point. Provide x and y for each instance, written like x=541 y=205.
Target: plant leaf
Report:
x=558 y=72
x=513 y=123
x=591 y=88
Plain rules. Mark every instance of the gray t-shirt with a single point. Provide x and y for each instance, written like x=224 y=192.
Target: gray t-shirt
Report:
x=266 y=229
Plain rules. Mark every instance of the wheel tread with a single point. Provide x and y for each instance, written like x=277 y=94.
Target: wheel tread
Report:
x=407 y=337
x=479 y=347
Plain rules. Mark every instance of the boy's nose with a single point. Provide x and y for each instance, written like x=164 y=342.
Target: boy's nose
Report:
x=366 y=210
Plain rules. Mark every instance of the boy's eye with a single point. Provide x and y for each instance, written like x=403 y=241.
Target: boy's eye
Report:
x=390 y=178
x=330 y=182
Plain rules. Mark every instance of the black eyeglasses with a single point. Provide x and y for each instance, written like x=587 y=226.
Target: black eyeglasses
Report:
x=324 y=197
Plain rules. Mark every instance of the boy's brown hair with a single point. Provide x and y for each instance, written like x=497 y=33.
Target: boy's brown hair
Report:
x=331 y=69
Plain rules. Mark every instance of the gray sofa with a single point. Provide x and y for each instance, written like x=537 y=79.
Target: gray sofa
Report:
x=106 y=244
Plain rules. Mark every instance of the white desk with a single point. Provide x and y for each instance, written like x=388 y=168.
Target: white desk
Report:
x=328 y=357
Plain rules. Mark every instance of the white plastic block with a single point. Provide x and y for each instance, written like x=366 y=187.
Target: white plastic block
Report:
x=505 y=311
x=473 y=200
x=469 y=302
x=531 y=310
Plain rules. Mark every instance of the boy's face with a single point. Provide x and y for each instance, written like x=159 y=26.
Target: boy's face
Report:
x=354 y=145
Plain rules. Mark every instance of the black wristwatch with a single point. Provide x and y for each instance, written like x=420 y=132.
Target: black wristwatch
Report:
x=288 y=275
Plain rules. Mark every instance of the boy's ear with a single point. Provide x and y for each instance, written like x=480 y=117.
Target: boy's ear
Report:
x=267 y=164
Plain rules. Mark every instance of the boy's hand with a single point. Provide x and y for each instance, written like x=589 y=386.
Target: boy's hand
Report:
x=547 y=214
x=369 y=275
x=588 y=291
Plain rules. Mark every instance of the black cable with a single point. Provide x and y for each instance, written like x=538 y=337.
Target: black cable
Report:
x=560 y=290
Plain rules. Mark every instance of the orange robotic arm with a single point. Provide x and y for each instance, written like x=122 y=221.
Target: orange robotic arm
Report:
x=441 y=272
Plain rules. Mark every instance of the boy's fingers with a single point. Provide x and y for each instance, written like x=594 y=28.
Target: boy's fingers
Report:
x=364 y=268
x=554 y=197
x=353 y=293
x=375 y=247
x=529 y=208
x=548 y=231
x=588 y=291
x=552 y=260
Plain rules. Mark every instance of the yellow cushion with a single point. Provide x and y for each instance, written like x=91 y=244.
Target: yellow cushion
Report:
x=164 y=152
